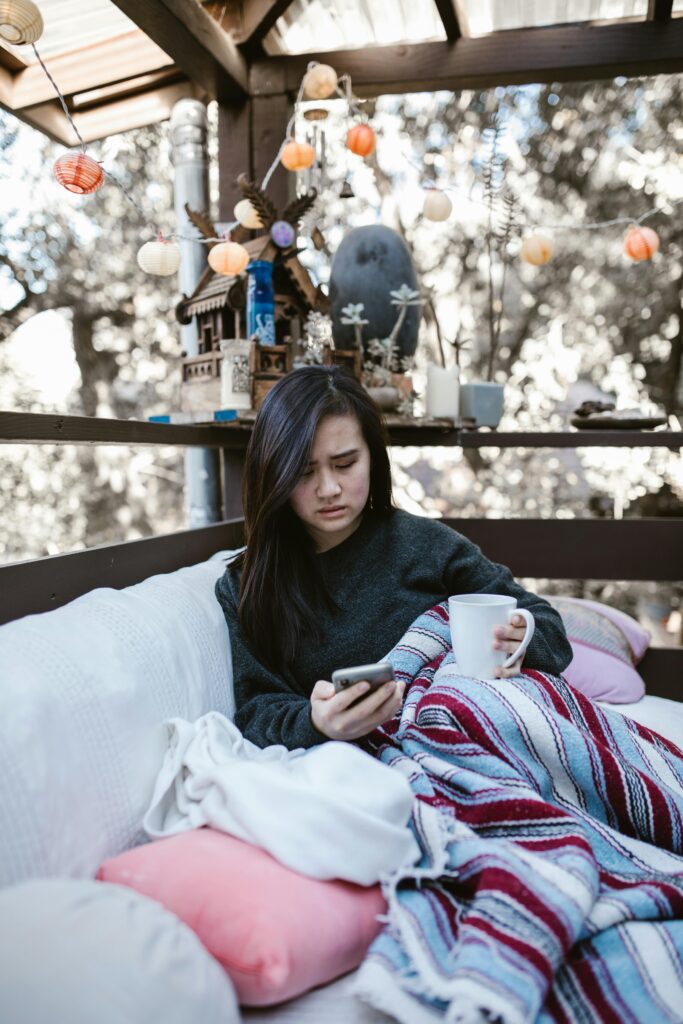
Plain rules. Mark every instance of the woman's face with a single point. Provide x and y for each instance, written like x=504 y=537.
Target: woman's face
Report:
x=332 y=493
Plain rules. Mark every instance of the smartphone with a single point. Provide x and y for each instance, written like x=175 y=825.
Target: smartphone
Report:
x=377 y=674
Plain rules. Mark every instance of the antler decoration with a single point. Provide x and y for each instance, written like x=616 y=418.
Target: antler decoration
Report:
x=298 y=208
x=259 y=200
x=208 y=230
x=201 y=222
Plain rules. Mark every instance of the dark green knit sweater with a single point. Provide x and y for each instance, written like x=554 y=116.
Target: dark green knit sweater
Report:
x=382 y=577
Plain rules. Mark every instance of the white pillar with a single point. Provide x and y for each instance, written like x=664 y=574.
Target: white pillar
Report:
x=190 y=160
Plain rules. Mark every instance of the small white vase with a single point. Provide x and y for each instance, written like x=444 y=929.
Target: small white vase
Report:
x=443 y=392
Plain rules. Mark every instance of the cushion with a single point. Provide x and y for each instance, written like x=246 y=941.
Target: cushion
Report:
x=276 y=932
x=85 y=690
x=76 y=951
x=607 y=644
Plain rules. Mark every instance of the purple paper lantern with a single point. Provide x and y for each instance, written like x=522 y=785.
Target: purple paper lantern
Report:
x=283 y=234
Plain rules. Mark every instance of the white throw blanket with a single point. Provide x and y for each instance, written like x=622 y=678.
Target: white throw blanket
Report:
x=329 y=812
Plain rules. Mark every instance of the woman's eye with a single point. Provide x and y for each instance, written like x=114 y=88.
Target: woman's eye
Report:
x=345 y=465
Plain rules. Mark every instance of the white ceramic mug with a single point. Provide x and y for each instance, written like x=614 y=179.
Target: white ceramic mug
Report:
x=473 y=620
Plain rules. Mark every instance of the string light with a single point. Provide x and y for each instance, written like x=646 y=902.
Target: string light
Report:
x=80 y=173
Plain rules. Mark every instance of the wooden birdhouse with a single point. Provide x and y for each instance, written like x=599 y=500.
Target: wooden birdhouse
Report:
x=218 y=304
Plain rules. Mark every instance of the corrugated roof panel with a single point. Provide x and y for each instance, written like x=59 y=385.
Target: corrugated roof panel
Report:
x=491 y=15
x=72 y=24
x=318 y=25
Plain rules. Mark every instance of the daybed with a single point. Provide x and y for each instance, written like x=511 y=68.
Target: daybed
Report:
x=85 y=689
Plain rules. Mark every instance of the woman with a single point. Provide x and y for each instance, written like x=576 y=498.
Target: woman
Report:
x=333 y=574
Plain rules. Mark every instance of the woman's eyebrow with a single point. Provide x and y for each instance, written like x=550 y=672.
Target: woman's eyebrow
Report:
x=339 y=455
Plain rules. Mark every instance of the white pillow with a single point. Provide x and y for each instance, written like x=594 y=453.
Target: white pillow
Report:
x=84 y=690
x=76 y=951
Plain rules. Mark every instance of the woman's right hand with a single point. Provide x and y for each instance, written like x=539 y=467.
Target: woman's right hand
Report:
x=332 y=716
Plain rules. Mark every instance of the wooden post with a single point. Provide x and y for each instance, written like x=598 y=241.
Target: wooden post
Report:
x=234 y=154
x=232 y=464
x=250 y=133
x=249 y=137
x=270 y=116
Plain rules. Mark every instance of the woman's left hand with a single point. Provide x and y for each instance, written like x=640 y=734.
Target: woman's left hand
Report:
x=508 y=639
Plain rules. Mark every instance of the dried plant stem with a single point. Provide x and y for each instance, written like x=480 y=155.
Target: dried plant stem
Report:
x=394 y=334
x=495 y=337
x=430 y=303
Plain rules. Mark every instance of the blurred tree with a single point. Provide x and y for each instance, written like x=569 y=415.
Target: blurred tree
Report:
x=577 y=153
x=77 y=256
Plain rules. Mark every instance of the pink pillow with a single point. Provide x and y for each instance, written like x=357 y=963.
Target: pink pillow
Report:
x=277 y=933
x=607 y=644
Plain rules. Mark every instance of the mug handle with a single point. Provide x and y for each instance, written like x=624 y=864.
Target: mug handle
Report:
x=530 y=627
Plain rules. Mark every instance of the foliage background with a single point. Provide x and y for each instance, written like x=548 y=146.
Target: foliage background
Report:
x=589 y=322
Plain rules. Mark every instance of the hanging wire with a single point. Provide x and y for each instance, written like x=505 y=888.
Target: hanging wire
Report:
x=290 y=127
x=60 y=98
x=345 y=91
x=431 y=183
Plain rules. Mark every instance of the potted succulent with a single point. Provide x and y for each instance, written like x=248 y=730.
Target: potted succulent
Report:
x=385 y=370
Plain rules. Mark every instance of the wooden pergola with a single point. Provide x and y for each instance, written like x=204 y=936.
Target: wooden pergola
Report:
x=215 y=51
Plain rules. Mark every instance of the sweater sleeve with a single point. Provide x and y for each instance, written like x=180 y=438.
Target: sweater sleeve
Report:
x=470 y=572
x=268 y=710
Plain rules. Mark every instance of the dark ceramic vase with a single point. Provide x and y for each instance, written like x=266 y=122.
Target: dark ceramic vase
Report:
x=371 y=262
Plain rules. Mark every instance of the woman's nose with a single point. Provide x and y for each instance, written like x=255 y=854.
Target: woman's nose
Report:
x=328 y=484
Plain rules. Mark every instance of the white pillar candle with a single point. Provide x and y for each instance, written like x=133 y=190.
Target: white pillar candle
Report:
x=443 y=387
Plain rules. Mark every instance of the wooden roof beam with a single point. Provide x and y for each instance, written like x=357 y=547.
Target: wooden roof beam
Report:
x=563 y=53
x=259 y=16
x=449 y=16
x=659 y=10
x=92 y=67
x=197 y=44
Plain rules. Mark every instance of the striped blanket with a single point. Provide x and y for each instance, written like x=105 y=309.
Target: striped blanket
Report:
x=550 y=886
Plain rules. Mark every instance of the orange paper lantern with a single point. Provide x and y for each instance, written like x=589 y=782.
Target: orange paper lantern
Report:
x=78 y=173
x=228 y=258
x=361 y=139
x=297 y=156
x=641 y=243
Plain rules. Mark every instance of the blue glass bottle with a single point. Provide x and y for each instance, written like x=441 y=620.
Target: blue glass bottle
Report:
x=261 y=302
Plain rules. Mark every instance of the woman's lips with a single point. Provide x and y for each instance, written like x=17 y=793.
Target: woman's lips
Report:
x=335 y=510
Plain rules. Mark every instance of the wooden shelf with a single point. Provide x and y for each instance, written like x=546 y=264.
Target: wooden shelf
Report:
x=46 y=428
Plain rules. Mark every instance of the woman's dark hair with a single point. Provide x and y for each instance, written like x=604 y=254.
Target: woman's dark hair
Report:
x=281 y=584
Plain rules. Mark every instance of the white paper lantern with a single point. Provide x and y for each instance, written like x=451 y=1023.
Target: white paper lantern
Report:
x=537 y=250
x=161 y=257
x=20 y=22
x=437 y=205
x=320 y=82
x=247 y=215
